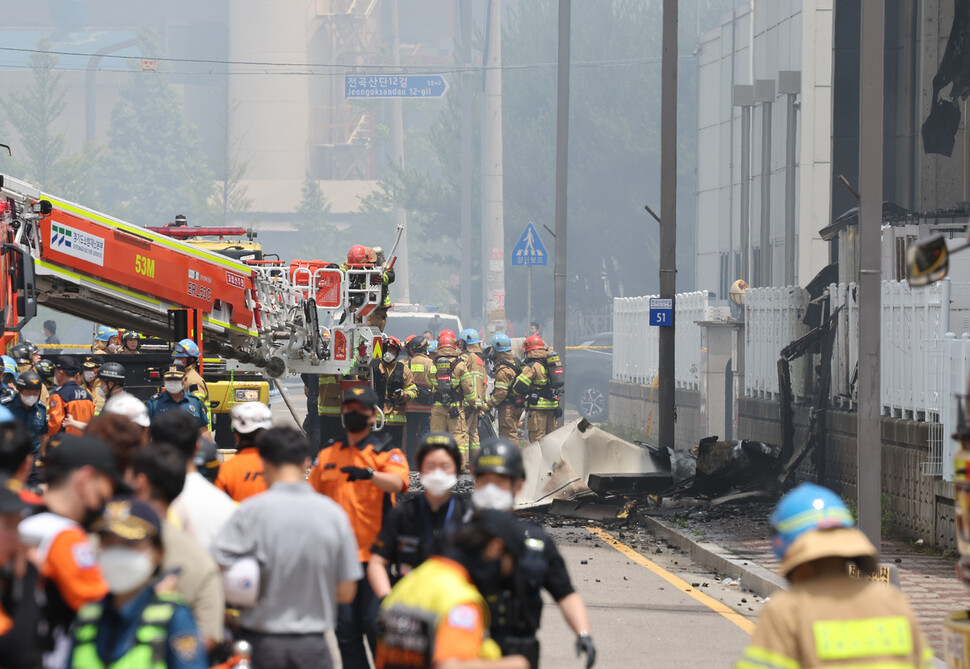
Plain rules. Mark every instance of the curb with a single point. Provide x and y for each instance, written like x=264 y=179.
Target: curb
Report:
x=755 y=578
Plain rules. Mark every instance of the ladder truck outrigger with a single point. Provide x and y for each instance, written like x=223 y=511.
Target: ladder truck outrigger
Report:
x=257 y=314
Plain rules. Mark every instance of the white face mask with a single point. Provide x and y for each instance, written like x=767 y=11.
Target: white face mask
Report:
x=490 y=496
x=29 y=400
x=114 y=348
x=125 y=569
x=438 y=482
x=90 y=376
x=389 y=358
x=173 y=387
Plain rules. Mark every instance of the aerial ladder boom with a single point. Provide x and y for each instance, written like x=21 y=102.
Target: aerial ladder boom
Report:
x=263 y=315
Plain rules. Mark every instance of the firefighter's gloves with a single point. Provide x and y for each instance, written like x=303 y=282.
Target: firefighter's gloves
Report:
x=453 y=412
x=358 y=473
x=584 y=644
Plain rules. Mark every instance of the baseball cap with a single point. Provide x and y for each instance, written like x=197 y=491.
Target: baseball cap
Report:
x=74 y=452
x=174 y=372
x=10 y=500
x=66 y=363
x=129 y=519
x=130 y=407
x=92 y=362
x=363 y=394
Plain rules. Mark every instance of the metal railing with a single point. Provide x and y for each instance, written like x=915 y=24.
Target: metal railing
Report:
x=635 y=341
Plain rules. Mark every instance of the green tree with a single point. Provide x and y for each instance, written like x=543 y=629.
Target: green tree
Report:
x=33 y=114
x=154 y=166
x=318 y=236
x=230 y=198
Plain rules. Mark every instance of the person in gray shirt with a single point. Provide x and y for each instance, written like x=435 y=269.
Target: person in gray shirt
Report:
x=307 y=556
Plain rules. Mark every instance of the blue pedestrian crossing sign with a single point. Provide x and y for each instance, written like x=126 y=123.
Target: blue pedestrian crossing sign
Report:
x=529 y=250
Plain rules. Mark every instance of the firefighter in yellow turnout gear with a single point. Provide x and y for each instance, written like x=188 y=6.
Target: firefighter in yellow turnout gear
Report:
x=508 y=405
x=533 y=384
x=827 y=618
x=419 y=409
x=454 y=389
x=329 y=401
x=187 y=356
x=395 y=386
x=470 y=345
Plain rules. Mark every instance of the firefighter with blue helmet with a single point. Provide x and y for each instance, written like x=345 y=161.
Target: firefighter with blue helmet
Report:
x=186 y=355
x=470 y=344
x=827 y=618
x=505 y=370
x=106 y=340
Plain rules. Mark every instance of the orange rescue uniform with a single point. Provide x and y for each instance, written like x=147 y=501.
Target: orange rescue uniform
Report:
x=242 y=476
x=363 y=501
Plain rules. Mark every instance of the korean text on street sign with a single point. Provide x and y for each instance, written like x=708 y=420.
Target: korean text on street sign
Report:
x=661 y=311
x=529 y=249
x=394 y=86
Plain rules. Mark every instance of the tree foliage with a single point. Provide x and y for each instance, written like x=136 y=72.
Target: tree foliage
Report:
x=154 y=166
x=318 y=236
x=230 y=198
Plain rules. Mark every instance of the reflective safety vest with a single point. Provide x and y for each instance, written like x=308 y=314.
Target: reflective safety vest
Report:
x=424 y=378
x=412 y=613
x=330 y=397
x=151 y=638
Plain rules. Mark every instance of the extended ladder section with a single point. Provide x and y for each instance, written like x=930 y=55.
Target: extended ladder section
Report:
x=260 y=314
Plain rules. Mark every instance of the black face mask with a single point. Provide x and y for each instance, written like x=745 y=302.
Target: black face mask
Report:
x=91 y=515
x=354 y=421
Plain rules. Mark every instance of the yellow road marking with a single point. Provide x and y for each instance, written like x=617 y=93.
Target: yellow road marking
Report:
x=711 y=603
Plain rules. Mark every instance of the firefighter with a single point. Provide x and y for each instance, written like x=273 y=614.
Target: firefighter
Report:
x=361 y=257
x=68 y=399
x=517 y=606
x=378 y=318
x=827 y=618
x=89 y=373
x=470 y=344
x=362 y=472
x=532 y=384
x=130 y=342
x=112 y=377
x=436 y=616
x=419 y=409
x=46 y=370
x=454 y=389
x=187 y=356
x=8 y=378
x=27 y=357
x=106 y=340
x=508 y=405
x=176 y=396
x=394 y=384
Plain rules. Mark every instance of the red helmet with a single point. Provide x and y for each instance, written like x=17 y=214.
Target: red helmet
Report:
x=357 y=255
x=447 y=338
x=392 y=342
x=534 y=342
x=407 y=340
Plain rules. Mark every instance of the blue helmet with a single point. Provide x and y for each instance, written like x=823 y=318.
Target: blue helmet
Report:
x=105 y=333
x=470 y=336
x=186 y=349
x=500 y=342
x=433 y=346
x=10 y=366
x=806 y=507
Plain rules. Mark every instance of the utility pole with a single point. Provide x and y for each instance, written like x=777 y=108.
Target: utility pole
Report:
x=790 y=85
x=493 y=262
x=870 y=266
x=465 y=26
x=562 y=179
x=668 y=218
x=402 y=285
x=744 y=98
x=764 y=92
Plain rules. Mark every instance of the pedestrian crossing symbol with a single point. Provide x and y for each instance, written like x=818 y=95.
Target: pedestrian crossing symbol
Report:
x=529 y=249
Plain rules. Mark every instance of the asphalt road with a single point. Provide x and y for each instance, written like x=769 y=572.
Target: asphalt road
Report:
x=639 y=617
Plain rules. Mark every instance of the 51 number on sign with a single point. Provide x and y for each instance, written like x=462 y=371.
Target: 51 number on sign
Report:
x=661 y=312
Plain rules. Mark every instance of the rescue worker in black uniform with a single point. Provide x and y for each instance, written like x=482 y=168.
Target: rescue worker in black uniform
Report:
x=420 y=525
x=516 y=610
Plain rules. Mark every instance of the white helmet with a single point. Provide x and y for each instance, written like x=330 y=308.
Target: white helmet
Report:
x=251 y=416
x=130 y=407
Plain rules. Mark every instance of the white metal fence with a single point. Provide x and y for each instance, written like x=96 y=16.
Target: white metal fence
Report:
x=635 y=341
x=949 y=362
x=772 y=320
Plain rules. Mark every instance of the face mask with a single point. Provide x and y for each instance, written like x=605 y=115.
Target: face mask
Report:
x=90 y=376
x=354 y=421
x=125 y=569
x=490 y=496
x=173 y=387
x=91 y=516
x=389 y=358
x=180 y=362
x=29 y=400
x=438 y=482
x=114 y=348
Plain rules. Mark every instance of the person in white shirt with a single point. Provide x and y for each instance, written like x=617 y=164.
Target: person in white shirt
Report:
x=201 y=509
